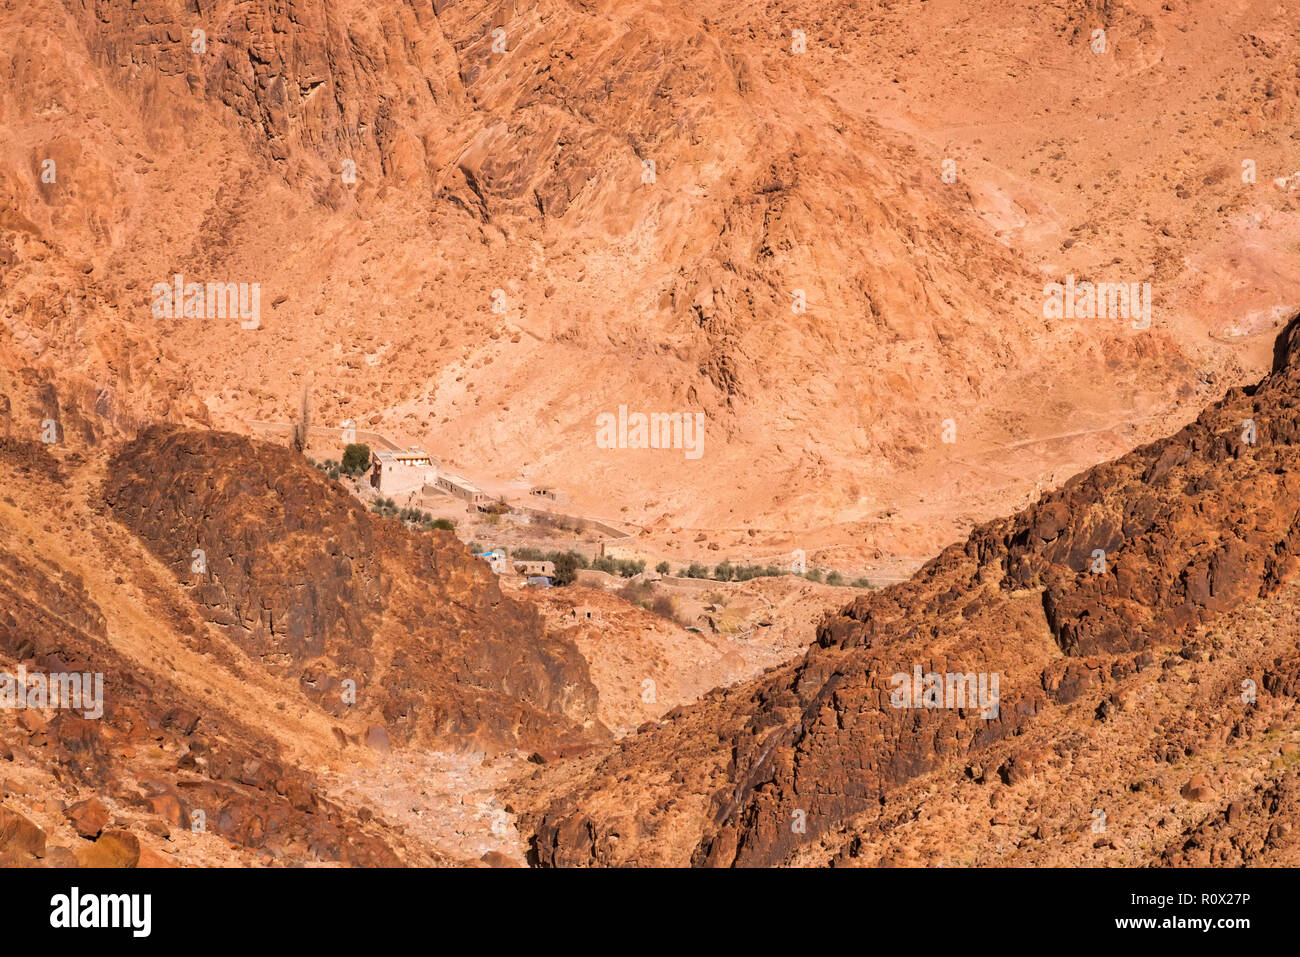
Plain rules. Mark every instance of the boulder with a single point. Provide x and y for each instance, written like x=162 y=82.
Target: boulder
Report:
x=88 y=818
x=18 y=834
x=1198 y=790
x=113 y=849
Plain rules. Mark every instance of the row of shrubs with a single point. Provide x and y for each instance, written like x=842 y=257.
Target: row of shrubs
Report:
x=562 y=523
x=329 y=467
x=648 y=597
x=727 y=572
x=387 y=508
x=568 y=563
x=356 y=460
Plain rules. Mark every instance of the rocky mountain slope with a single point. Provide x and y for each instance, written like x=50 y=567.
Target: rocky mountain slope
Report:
x=826 y=226
x=560 y=208
x=1141 y=623
x=312 y=635
x=307 y=583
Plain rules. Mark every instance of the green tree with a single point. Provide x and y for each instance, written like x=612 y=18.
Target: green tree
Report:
x=566 y=568
x=356 y=458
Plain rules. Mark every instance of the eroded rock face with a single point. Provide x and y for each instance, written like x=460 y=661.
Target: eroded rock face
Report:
x=1247 y=832
x=311 y=585
x=216 y=772
x=222 y=707
x=780 y=178
x=773 y=183
x=1067 y=601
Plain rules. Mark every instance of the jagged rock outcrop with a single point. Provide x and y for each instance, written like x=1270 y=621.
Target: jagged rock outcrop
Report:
x=1249 y=831
x=1127 y=564
x=483 y=225
x=223 y=704
x=363 y=613
x=204 y=771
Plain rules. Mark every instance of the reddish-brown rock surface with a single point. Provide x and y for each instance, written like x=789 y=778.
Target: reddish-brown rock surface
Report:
x=223 y=692
x=562 y=208
x=1199 y=534
x=214 y=144
x=307 y=583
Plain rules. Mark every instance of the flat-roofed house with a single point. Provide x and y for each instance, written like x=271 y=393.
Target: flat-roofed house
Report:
x=460 y=488
x=403 y=471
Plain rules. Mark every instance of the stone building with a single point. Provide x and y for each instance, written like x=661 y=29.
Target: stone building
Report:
x=547 y=493
x=396 y=472
x=460 y=488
